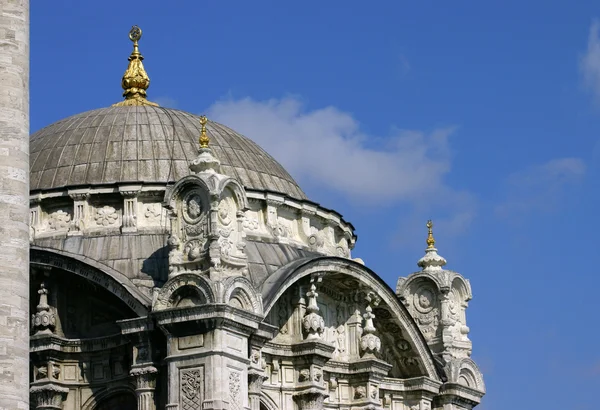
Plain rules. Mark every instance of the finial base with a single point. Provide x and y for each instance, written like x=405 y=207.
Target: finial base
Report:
x=205 y=162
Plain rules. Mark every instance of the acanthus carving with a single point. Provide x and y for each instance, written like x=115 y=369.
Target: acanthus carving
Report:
x=145 y=377
x=48 y=396
x=310 y=400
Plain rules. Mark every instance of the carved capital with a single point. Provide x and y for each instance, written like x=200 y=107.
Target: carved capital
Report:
x=311 y=399
x=145 y=377
x=255 y=381
x=48 y=396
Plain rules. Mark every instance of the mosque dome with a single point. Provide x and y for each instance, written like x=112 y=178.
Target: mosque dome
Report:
x=147 y=144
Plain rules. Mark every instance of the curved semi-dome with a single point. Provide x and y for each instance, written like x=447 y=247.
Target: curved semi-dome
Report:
x=147 y=144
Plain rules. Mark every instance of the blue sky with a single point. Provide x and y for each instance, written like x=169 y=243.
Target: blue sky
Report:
x=484 y=116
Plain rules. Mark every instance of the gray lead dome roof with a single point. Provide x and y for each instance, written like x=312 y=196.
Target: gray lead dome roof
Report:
x=147 y=144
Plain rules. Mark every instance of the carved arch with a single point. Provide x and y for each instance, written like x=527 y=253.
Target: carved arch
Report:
x=275 y=286
x=102 y=275
x=267 y=402
x=171 y=290
x=469 y=372
x=240 y=287
x=97 y=399
x=463 y=287
x=184 y=184
x=237 y=190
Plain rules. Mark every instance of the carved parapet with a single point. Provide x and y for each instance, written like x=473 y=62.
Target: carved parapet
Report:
x=48 y=396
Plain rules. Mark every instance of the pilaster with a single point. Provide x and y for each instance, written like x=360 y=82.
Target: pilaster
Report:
x=208 y=356
x=143 y=370
x=130 y=206
x=80 y=211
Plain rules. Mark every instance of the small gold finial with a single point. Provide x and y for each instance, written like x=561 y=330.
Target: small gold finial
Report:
x=135 y=81
x=430 y=240
x=203 y=137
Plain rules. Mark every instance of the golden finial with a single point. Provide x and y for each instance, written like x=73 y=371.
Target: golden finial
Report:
x=430 y=240
x=135 y=81
x=203 y=137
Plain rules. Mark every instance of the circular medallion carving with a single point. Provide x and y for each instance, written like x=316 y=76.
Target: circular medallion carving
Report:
x=425 y=299
x=225 y=213
x=192 y=208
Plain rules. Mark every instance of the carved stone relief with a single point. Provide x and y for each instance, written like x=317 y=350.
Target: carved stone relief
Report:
x=105 y=216
x=59 y=220
x=191 y=389
x=234 y=388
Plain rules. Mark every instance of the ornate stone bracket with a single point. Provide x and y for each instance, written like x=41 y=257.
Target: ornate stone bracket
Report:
x=48 y=396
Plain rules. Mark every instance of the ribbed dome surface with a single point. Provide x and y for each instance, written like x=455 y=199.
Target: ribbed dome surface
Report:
x=147 y=144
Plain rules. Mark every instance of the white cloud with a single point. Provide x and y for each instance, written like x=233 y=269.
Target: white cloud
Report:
x=541 y=187
x=590 y=61
x=326 y=148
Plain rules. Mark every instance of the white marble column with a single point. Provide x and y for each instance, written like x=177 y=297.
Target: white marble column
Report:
x=14 y=203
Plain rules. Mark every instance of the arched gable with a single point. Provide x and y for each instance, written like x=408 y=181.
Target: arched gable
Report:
x=102 y=275
x=197 y=284
x=276 y=285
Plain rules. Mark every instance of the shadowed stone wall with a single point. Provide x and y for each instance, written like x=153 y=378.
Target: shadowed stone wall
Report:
x=14 y=204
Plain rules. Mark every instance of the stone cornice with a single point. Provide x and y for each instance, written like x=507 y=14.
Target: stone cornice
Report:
x=213 y=315
x=459 y=394
x=59 y=344
x=416 y=384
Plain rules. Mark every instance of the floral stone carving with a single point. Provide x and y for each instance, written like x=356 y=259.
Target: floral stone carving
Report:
x=105 y=216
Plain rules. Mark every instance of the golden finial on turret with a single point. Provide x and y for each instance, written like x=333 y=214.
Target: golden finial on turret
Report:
x=430 y=240
x=203 y=137
x=135 y=81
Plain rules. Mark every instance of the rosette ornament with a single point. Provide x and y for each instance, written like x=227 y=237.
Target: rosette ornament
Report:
x=312 y=322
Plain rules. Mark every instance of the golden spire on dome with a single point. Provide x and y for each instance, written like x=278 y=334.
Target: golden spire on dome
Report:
x=430 y=240
x=135 y=81
x=203 y=137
